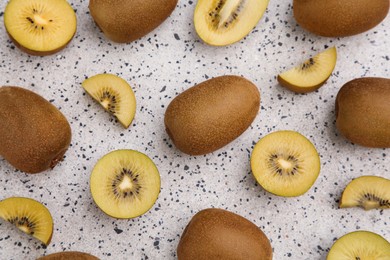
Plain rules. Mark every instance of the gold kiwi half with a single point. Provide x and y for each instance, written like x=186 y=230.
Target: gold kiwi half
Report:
x=40 y=27
x=114 y=94
x=360 y=245
x=367 y=192
x=311 y=74
x=125 y=183
x=285 y=163
x=28 y=215
x=223 y=22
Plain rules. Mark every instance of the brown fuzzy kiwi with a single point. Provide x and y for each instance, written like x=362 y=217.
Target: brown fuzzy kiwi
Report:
x=34 y=134
x=71 y=255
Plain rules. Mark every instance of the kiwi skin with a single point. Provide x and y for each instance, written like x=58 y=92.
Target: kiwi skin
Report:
x=208 y=116
x=71 y=255
x=34 y=134
x=124 y=21
x=220 y=234
x=363 y=110
x=339 y=18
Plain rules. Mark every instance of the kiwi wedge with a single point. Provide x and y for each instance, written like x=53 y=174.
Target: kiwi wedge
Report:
x=114 y=94
x=40 y=27
x=367 y=192
x=223 y=22
x=28 y=215
x=311 y=74
x=285 y=163
x=71 y=255
x=360 y=245
x=125 y=184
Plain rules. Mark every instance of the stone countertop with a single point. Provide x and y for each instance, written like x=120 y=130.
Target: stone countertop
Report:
x=159 y=66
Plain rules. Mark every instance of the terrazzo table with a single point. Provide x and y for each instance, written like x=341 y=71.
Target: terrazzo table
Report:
x=159 y=66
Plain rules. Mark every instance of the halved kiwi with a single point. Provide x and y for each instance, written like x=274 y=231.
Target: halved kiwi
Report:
x=367 y=192
x=114 y=94
x=223 y=22
x=125 y=183
x=70 y=255
x=28 y=215
x=360 y=245
x=311 y=74
x=285 y=163
x=40 y=27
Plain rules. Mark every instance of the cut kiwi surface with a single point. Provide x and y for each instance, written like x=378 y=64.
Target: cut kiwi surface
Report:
x=125 y=183
x=40 y=27
x=367 y=192
x=360 y=245
x=311 y=74
x=28 y=215
x=114 y=94
x=223 y=22
x=285 y=163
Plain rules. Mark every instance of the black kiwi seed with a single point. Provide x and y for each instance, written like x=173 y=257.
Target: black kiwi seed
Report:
x=372 y=197
x=107 y=94
x=135 y=190
x=215 y=18
x=23 y=221
x=274 y=164
x=306 y=65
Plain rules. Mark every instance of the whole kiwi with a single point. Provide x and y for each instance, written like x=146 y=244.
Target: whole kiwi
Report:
x=127 y=20
x=70 y=255
x=363 y=111
x=220 y=234
x=34 y=134
x=338 y=18
x=211 y=114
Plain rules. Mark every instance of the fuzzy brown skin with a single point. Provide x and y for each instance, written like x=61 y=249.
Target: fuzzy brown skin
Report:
x=363 y=112
x=69 y=256
x=210 y=115
x=219 y=234
x=34 y=134
x=124 y=21
x=339 y=18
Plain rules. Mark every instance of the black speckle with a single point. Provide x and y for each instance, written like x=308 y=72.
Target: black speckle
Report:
x=176 y=36
x=118 y=231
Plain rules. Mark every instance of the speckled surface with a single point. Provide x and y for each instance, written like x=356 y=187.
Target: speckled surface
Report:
x=158 y=67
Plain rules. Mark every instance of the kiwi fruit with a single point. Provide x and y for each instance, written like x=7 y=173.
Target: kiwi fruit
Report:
x=40 y=27
x=29 y=215
x=285 y=163
x=360 y=245
x=114 y=94
x=223 y=22
x=339 y=18
x=311 y=74
x=71 y=255
x=128 y=20
x=367 y=192
x=208 y=116
x=221 y=234
x=363 y=110
x=34 y=134
x=125 y=184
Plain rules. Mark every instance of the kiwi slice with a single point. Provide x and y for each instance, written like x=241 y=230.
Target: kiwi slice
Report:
x=28 y=215
x=223 y=22
x=40 y=27
x=114 y=94
x=360 y=245
x=311 y=74
x=125 y=183
x=285 y=163
x=367 y=192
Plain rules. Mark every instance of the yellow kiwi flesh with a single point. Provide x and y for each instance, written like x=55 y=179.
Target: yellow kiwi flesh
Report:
x=285 y=163
x=360 y=245
x=311 y=74
x=223 y=22
x=40 y=27
x=367 y=192
x=30 y=216
x=125 y=184
x=114 y=94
